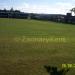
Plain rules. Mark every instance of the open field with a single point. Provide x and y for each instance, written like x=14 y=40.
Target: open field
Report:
x=27 y=45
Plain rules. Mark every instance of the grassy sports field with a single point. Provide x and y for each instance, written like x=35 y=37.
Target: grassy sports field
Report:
x=27 y=45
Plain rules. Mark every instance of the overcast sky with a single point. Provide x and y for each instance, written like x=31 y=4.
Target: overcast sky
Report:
x=39 y=6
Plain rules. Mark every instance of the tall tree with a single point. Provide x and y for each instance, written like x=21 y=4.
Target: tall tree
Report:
x=11 y=10
x=5 y=10
x=73 y=10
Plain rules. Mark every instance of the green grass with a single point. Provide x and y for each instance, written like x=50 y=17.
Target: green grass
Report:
x=28 y=57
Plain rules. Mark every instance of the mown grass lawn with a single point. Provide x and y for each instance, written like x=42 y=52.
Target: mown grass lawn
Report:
x=27 y=57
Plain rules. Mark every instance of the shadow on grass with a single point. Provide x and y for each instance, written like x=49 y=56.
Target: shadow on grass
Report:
x=55 y=71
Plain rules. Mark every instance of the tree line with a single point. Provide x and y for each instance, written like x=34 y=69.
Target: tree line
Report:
x=68 y=18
